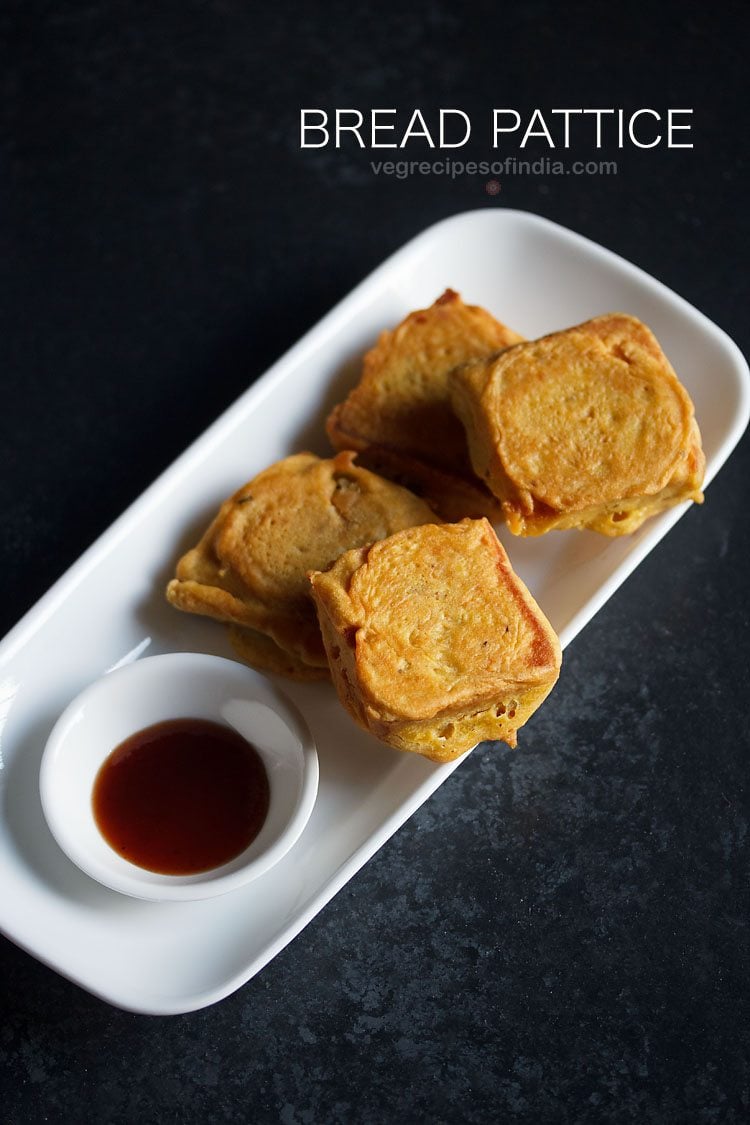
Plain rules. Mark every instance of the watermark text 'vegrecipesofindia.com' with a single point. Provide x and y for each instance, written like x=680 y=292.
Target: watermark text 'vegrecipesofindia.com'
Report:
x=509 y=166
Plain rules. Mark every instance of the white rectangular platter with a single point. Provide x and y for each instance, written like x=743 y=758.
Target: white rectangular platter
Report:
x=177 y=957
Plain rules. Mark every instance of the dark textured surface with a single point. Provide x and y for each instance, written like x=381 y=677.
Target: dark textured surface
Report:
x=560 y=934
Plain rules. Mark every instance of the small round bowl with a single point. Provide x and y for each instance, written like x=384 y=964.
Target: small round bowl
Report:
x=176 y=686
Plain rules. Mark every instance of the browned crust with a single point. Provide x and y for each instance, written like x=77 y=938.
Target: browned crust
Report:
x=249 y=568
x=452 y=496
x=261 y=652
x=408 y=432
x=494 y=696
x=484 y=390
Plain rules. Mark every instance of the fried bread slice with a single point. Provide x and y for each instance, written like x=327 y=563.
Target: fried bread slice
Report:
x=261 y=652
x=399 y=416
x=588 y=427
x=301 y=513
x=434 y=642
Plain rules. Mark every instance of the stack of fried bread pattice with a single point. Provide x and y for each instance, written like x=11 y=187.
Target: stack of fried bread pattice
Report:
x=433 y=642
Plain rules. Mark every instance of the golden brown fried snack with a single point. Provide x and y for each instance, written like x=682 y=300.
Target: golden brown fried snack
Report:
x=434 y=642
x=262 y=653
x=589 y=427
x=399 y=416
x=301 y=513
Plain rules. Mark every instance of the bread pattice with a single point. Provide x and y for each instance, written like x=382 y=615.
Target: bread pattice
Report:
x=434 y=642
x=261 y=652
x=585 y=428
x=250 y=567
x=399 y=415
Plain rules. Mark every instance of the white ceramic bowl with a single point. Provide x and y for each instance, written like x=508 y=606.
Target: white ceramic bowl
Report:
x=175 y=686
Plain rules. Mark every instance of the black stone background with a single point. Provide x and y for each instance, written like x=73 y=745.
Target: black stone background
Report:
x=560 y=934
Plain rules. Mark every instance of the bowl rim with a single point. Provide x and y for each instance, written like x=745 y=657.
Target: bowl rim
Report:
x=138 y=882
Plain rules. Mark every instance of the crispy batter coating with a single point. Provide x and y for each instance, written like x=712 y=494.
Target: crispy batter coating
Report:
x=589 y=427
x=434 y=642
x=399 y=416
x=262 y=653
x=250 y=567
